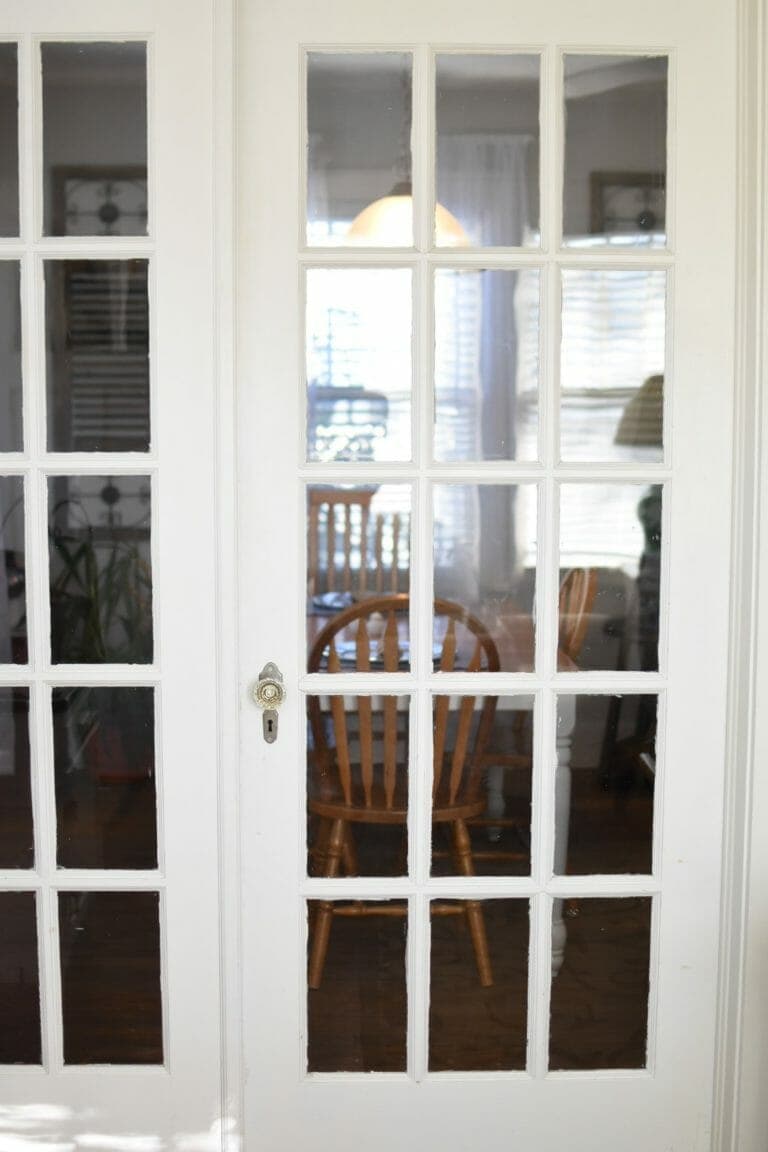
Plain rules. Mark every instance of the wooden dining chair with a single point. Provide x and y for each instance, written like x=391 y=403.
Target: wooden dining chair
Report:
x=359 y=755
x=577 y=597
x=350 y=548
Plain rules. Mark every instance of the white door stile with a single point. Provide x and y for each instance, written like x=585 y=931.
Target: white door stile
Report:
x=224 y=41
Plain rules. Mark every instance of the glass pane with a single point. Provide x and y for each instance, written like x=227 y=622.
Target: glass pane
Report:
x=615 y=151
x=17 y=846
x=104 y=759
x=110 y=977
x=483 y=748
x=359 y=148
x=11 y=438
x=100 y=569
x=13 y=595
x=358 y=545
x=19 y=980
x=357 y=785
x=611 y=534
x=95 y=139
x=359 y=328
x=599 y=1006
x=97 y=355
x=609 y=823
x=9 y=134
x=485 y=561
x=358 y=551
x=487 y=364
x=357 y=1010
x=612 y=365
x=475 y=1026
x=488 y=149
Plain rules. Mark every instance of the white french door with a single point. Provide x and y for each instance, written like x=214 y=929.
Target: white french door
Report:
x=109 y=957
x=531 y=398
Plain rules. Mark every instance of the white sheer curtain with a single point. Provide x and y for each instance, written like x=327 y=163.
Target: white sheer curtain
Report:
x=483 y=180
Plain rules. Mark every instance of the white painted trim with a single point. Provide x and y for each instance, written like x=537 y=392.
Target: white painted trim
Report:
x=224 y=40
x=740 y=1113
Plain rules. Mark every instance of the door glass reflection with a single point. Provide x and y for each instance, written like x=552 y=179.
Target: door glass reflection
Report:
x=100 y=569
x=359 y=149
x=610 y=538
x=358 y=543
x=487 y=364
x=615 y=150
x=483 y=763
x=358 y=330
x=97 y=363
x=17 y=844
x=357 y=785
x=104 y=763
x=9 y=134
x=20 y=1041
x=478 y=1007
x=13 y=580
x=484 y=541
x=599 y=1005
x=612 y=365
x=487 y=121
x=11 y=439
x=95 y=139
x=357 y=1007
x=609 y=824
x=358 y=577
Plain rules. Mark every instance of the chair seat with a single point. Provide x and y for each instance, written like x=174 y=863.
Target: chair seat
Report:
x=378 y=812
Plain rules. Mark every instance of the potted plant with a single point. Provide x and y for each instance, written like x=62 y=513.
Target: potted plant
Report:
x=101 y=612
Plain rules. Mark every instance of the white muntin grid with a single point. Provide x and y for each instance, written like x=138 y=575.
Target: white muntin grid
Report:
x=543 y=887
x=35 y=465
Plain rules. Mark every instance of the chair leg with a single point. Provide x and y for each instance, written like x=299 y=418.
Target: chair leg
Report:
x=322 y=929
x=402 y=853
x=319 y=846
x=349 y=852
x=473 y=909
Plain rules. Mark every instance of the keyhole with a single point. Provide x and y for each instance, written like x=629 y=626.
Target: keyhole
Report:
x=270 y=726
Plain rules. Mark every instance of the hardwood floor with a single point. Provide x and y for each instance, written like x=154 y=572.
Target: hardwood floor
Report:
x=110 y=942
x=357 y=1018
x=599 y=997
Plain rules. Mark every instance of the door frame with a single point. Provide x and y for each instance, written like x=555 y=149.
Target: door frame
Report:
x=739 y=1121
x=740 y=1115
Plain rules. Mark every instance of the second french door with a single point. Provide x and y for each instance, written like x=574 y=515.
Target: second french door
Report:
x=485 y=280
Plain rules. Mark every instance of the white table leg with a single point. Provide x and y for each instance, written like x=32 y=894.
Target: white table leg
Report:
x=7 y=731
x=495 y=806
x=566 y=719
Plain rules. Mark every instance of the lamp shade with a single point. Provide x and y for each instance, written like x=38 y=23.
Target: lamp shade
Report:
x=388 y=223
x=642 y=420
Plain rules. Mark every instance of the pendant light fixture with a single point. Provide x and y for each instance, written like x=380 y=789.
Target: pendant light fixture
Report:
x=388 y=221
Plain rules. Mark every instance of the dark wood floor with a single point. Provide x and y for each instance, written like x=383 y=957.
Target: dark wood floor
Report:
x=357 y=1018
